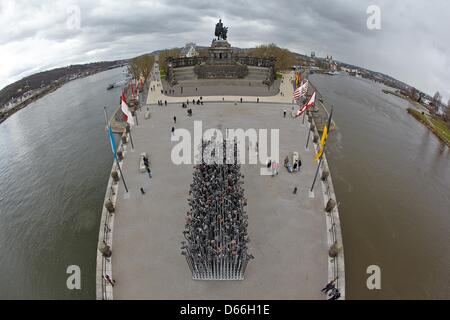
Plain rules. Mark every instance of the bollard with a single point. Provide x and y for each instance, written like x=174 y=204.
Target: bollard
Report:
x=109 y=206
x=105 y=250
x=316 y=138
x=330 y=205
x=120 y=155
x=334 y=250
x=115 y=176
x=325 y=175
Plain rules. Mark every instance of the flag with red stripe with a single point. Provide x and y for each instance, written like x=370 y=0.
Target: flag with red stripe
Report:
x=311 y=102
x=126 y=111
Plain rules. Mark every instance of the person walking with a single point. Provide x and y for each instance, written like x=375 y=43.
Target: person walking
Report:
x=173 y=130
x=286 y=161
x=335 y=294
x=329 y=286
x=174 y=119
x=284 y=113
x=145 y=159
x=142 y=191
x=111 y=281
x=165 y=103
x=295 y=190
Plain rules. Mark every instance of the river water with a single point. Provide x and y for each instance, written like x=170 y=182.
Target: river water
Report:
x=391 y=176
x=55 y=161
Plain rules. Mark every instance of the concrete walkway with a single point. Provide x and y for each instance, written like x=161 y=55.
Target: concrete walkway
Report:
x=288 y=232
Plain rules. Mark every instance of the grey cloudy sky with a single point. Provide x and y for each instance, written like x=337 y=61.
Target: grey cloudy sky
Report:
x=412 y=44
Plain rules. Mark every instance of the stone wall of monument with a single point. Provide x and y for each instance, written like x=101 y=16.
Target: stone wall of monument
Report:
x=215 y=71
x=204 y=71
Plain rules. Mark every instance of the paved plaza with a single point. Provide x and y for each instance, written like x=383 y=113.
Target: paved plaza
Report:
x=287 y=231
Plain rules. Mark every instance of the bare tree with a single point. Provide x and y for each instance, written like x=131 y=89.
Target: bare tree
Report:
x=141 y=66
x=435 y=102
x=447 y=113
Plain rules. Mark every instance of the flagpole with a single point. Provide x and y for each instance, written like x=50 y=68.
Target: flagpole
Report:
x=115 y=157
x=303 y=121
x=323 y=151
x=309 y=133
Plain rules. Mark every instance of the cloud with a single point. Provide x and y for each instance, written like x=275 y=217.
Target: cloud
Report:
x=411 y=45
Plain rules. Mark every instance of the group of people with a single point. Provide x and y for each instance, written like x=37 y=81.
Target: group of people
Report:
x=294 y=167
x=216 y=224
x=331 y=290
x=170 y=91
x=189 y=110
x=274 y=166
x=161 y=103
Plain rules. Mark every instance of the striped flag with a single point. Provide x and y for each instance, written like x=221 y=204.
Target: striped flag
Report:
x=126 y=111
x=309 y=104
x=301 y=91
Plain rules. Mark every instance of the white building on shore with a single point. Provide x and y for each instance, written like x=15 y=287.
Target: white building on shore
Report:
x=189 y=50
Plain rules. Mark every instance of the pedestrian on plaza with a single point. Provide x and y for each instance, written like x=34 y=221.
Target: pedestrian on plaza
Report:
x=269 y=163
x=111 y=281
x=241 y=100
x=336 y=295
x=295 y=190
x=286 y=161
x=329 y=286
x=173 y=130
x=174 y=119
x=142 y=191
x=145 y=159
x=165 y=103
x=284 y=113
x=295 y=166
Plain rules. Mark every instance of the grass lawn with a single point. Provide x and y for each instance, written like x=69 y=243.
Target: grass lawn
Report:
x=438 y=126
x=442 y=127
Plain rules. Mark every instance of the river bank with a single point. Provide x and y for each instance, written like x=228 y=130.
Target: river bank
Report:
x=55 y=161
x=391 y=176
x=436 y=125
x=51 y=88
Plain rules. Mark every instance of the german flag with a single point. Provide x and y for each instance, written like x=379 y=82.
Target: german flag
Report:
x=324 y=138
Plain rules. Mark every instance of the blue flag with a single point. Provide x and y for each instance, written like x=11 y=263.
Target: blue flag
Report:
x=113 y=142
